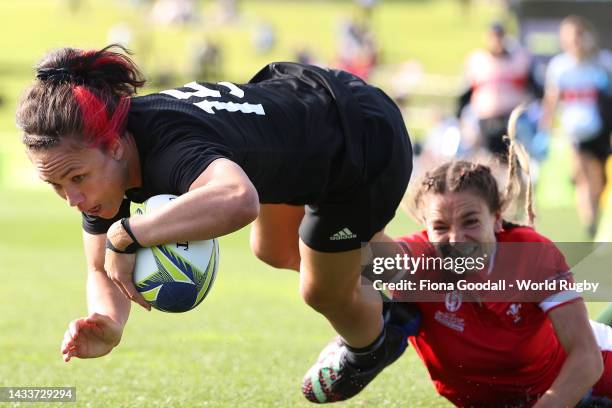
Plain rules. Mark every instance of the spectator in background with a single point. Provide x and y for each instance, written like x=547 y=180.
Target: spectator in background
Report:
x=170 y=12
x=366 y=7
x=121 y=33
x=230 y=10
x=304 y=54
x=207 y=61
x=264 y=38
x=358 y=52
x=576 y=81
x=499 y=78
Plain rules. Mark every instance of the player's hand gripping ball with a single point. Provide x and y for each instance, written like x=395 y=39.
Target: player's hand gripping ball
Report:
x=174 y=277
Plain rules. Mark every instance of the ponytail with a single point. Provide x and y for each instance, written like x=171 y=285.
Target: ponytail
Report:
x=460 y=175
x=518 y=170
x=79 y=94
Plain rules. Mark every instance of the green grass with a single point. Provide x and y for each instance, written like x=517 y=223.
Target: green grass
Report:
x=251 y=340
x=247 y=344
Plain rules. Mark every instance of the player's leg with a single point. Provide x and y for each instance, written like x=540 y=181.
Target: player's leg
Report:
x=331 y=284
x=589 y=179
x=331 y=234
x=582 y=202
x=372 y=336
x=274 y=235
x=596 y=179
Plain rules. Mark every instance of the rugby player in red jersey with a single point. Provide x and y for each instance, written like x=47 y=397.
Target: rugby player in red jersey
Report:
x=511 y=353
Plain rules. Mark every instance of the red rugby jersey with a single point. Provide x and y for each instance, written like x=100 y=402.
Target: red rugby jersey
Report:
x=488 y=353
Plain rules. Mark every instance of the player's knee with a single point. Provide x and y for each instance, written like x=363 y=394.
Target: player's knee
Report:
x=274 y=257
x=324 y=300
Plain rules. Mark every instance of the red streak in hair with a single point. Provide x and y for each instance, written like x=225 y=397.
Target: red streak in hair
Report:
x=98 y=128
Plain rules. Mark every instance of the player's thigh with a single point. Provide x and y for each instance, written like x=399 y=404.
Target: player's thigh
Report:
x=334 y=236
x=578 y=166
x=333 y=231
x=328 y=276
x=338 y=274
x=274 y=235
x=588 y=169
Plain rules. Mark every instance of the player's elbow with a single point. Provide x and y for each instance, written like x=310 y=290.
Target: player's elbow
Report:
x=246 y=205
x=595 y=366
x=592 y=365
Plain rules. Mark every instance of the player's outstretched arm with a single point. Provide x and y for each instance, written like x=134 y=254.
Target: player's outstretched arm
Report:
x=583 y=365
x=98 y=333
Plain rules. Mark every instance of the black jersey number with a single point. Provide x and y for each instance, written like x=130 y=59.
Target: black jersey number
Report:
x=209 y=106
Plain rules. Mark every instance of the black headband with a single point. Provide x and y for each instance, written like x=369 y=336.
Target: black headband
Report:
x=57 y=75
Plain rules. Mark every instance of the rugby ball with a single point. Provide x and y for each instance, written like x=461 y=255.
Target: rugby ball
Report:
x=174 y=277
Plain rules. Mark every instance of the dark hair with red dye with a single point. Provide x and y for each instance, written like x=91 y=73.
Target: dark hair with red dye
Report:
x=81 y=94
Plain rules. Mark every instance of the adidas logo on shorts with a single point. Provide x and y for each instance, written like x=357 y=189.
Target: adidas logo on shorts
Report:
x=342 y=234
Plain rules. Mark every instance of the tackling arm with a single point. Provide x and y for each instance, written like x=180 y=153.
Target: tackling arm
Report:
x=583 y=365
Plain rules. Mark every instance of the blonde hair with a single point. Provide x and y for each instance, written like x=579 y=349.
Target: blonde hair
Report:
x=462 y=175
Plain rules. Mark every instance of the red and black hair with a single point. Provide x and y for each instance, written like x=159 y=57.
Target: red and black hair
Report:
x=82 y=94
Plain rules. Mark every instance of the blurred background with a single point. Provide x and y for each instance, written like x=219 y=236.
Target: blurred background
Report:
x=250 y=342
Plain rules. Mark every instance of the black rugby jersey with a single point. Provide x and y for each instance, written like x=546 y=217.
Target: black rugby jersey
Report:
x=296 y=131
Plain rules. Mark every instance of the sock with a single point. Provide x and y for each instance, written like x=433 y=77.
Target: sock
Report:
x=605 y=317
x=369 y=356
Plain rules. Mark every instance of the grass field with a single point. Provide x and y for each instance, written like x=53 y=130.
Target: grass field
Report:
x=247 y=344
x=251 y=341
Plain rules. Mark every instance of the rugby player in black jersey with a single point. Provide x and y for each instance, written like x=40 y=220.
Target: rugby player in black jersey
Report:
x=316 y=159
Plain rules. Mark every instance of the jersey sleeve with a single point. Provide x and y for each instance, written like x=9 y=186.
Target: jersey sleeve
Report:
x=527 y=256
x=96 y=225
x=561 y=273
x=172 y=167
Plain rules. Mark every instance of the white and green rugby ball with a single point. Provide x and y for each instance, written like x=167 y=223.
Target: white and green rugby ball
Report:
x=174 y=277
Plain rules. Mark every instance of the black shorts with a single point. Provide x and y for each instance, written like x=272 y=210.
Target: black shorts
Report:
x=598 y=147
x=342 y=222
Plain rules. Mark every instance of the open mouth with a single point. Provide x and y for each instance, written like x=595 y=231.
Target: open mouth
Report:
x=95 y=210
x=460 y=250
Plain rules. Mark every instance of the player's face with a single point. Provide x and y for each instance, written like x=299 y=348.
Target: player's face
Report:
x=495 y=42
x=461 y=218
x=571 y=38
x=90 y=179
